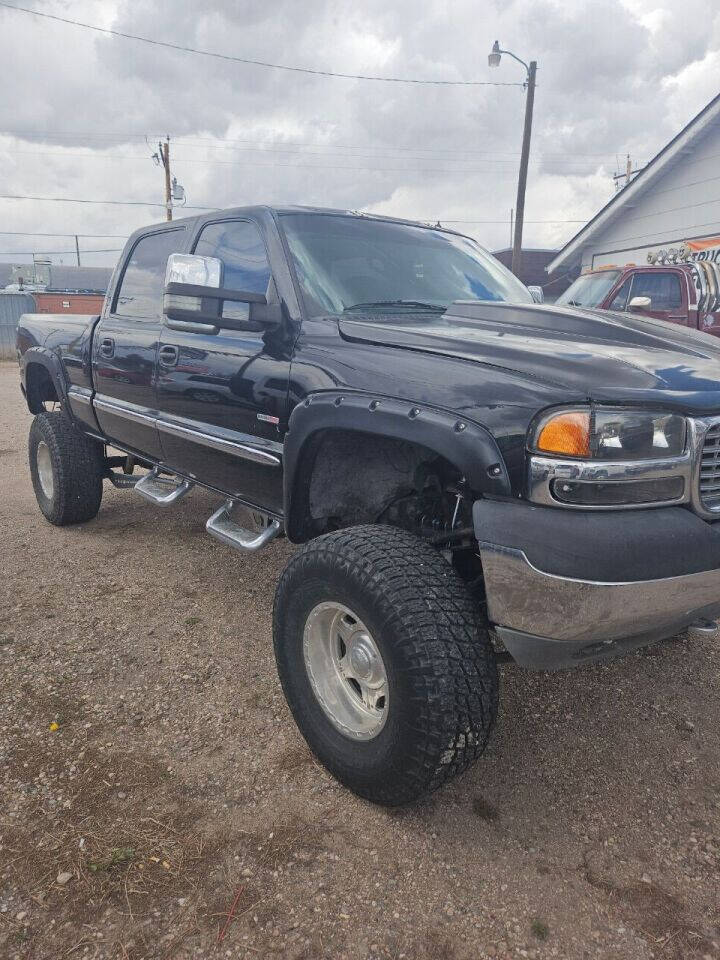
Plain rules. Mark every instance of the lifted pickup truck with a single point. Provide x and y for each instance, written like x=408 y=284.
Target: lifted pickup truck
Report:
x=684 y=293
x=471 y=476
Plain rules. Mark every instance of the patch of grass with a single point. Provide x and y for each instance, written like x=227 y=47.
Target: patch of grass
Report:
x=117 y=855
x=540 y=929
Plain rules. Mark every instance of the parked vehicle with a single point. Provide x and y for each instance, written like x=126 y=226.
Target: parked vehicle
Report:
x=469 y=475
x=683 y=293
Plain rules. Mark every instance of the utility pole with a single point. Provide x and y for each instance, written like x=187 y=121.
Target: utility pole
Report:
x=77 y=249
x=165 y=159
x=522 y=179
x=512 y=214
x=627 y=176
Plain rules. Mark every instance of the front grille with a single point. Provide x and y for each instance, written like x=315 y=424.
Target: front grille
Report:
x=710 y=470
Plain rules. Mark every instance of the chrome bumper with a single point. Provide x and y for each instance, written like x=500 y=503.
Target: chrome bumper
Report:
x=548 y=621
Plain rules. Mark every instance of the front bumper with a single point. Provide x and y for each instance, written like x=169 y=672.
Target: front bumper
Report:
x=567 y=587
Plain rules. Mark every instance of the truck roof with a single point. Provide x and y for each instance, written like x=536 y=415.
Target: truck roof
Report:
x=259 y=210
x=626 y=267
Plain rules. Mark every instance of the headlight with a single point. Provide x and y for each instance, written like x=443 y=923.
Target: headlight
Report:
x=604 y=457
x=610 y=434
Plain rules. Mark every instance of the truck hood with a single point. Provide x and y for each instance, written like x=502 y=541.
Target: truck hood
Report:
x=606 y=357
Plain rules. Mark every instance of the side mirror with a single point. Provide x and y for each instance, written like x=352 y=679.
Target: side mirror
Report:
x=195 y=300
x=537 y=293
x=640 y=303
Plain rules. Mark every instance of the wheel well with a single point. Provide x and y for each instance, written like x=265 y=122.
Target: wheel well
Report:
x=39 y=387
x=347 y=477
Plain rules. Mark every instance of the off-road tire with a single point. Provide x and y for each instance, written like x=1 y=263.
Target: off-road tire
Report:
x=441 y=669
x=77 y=470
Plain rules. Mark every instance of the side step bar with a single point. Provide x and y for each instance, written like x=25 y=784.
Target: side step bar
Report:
x=223 y=528
x=123 y=481
x=163 y=491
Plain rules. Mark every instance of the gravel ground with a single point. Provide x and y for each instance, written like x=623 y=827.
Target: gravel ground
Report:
x=176 y=789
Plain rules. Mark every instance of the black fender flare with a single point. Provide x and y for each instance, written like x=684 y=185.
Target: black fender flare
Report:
x=463 y=442
x=51 y=362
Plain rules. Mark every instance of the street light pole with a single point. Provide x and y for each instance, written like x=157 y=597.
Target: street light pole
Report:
x=531 y=71
x=522 y=177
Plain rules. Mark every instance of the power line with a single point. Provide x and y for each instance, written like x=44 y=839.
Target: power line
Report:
x=30 y=233
x=251 y=62
x=304 y=153
x=121 y=203
x=142 y=203
x=122 y=137
x=307 y=166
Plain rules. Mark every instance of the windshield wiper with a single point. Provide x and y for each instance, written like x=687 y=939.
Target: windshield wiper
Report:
x=409 y=304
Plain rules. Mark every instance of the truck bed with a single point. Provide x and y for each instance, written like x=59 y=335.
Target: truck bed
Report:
x=66 y=337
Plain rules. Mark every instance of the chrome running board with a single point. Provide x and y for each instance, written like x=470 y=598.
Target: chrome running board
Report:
x=163 y=491
x=224 y=529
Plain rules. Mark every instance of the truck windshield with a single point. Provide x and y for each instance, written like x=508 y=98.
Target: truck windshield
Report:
x=589 y=290
x=348 y=264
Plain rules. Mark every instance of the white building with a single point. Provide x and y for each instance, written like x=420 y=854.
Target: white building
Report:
x=671 y=208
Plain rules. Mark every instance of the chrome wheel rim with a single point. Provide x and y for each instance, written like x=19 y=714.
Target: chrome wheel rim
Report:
x=346 y=671
x=45 y=470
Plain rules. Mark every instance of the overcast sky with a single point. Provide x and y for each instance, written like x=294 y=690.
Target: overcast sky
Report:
x=614 y=76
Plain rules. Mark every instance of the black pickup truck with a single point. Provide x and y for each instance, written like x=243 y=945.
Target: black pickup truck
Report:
x=471 y=476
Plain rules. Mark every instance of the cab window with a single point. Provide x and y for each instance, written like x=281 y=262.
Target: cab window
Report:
x=238 y=244
x=662 y=288
x=619 y=301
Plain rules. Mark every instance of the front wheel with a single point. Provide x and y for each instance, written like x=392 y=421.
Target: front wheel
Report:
x=385 y=664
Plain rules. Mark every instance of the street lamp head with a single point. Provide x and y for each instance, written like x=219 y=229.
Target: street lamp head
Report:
x=494 y=56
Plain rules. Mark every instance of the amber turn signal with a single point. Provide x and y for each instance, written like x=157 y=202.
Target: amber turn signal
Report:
x=566 y=433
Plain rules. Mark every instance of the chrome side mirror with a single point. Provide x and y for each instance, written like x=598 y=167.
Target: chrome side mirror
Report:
x=191 y=269
x=640 y=303
x=537 y=293
x=195 y=300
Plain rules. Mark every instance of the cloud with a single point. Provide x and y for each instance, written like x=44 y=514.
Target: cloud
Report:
x=614 y=77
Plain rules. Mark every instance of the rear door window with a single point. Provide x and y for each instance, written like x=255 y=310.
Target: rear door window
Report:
x=141 y=289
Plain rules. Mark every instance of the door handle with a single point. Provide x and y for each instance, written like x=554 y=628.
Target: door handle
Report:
x=168 y=356
x=107 y=347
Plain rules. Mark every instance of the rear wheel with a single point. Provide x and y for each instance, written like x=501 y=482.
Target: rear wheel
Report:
x=385 y=664
x=66 y=469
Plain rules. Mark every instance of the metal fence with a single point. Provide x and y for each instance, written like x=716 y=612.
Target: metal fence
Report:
x=12 y=307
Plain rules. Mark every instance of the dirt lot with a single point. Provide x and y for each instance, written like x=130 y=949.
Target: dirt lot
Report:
x=176 y=790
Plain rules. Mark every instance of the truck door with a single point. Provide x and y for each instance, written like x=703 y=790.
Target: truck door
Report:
x=222 y=398
x=125 y=345
x=667 y=290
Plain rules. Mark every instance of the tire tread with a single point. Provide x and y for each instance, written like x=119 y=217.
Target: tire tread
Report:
x=78 y=470
x=448 y=656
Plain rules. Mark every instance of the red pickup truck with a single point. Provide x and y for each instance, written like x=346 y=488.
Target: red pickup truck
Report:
x=683 y=293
